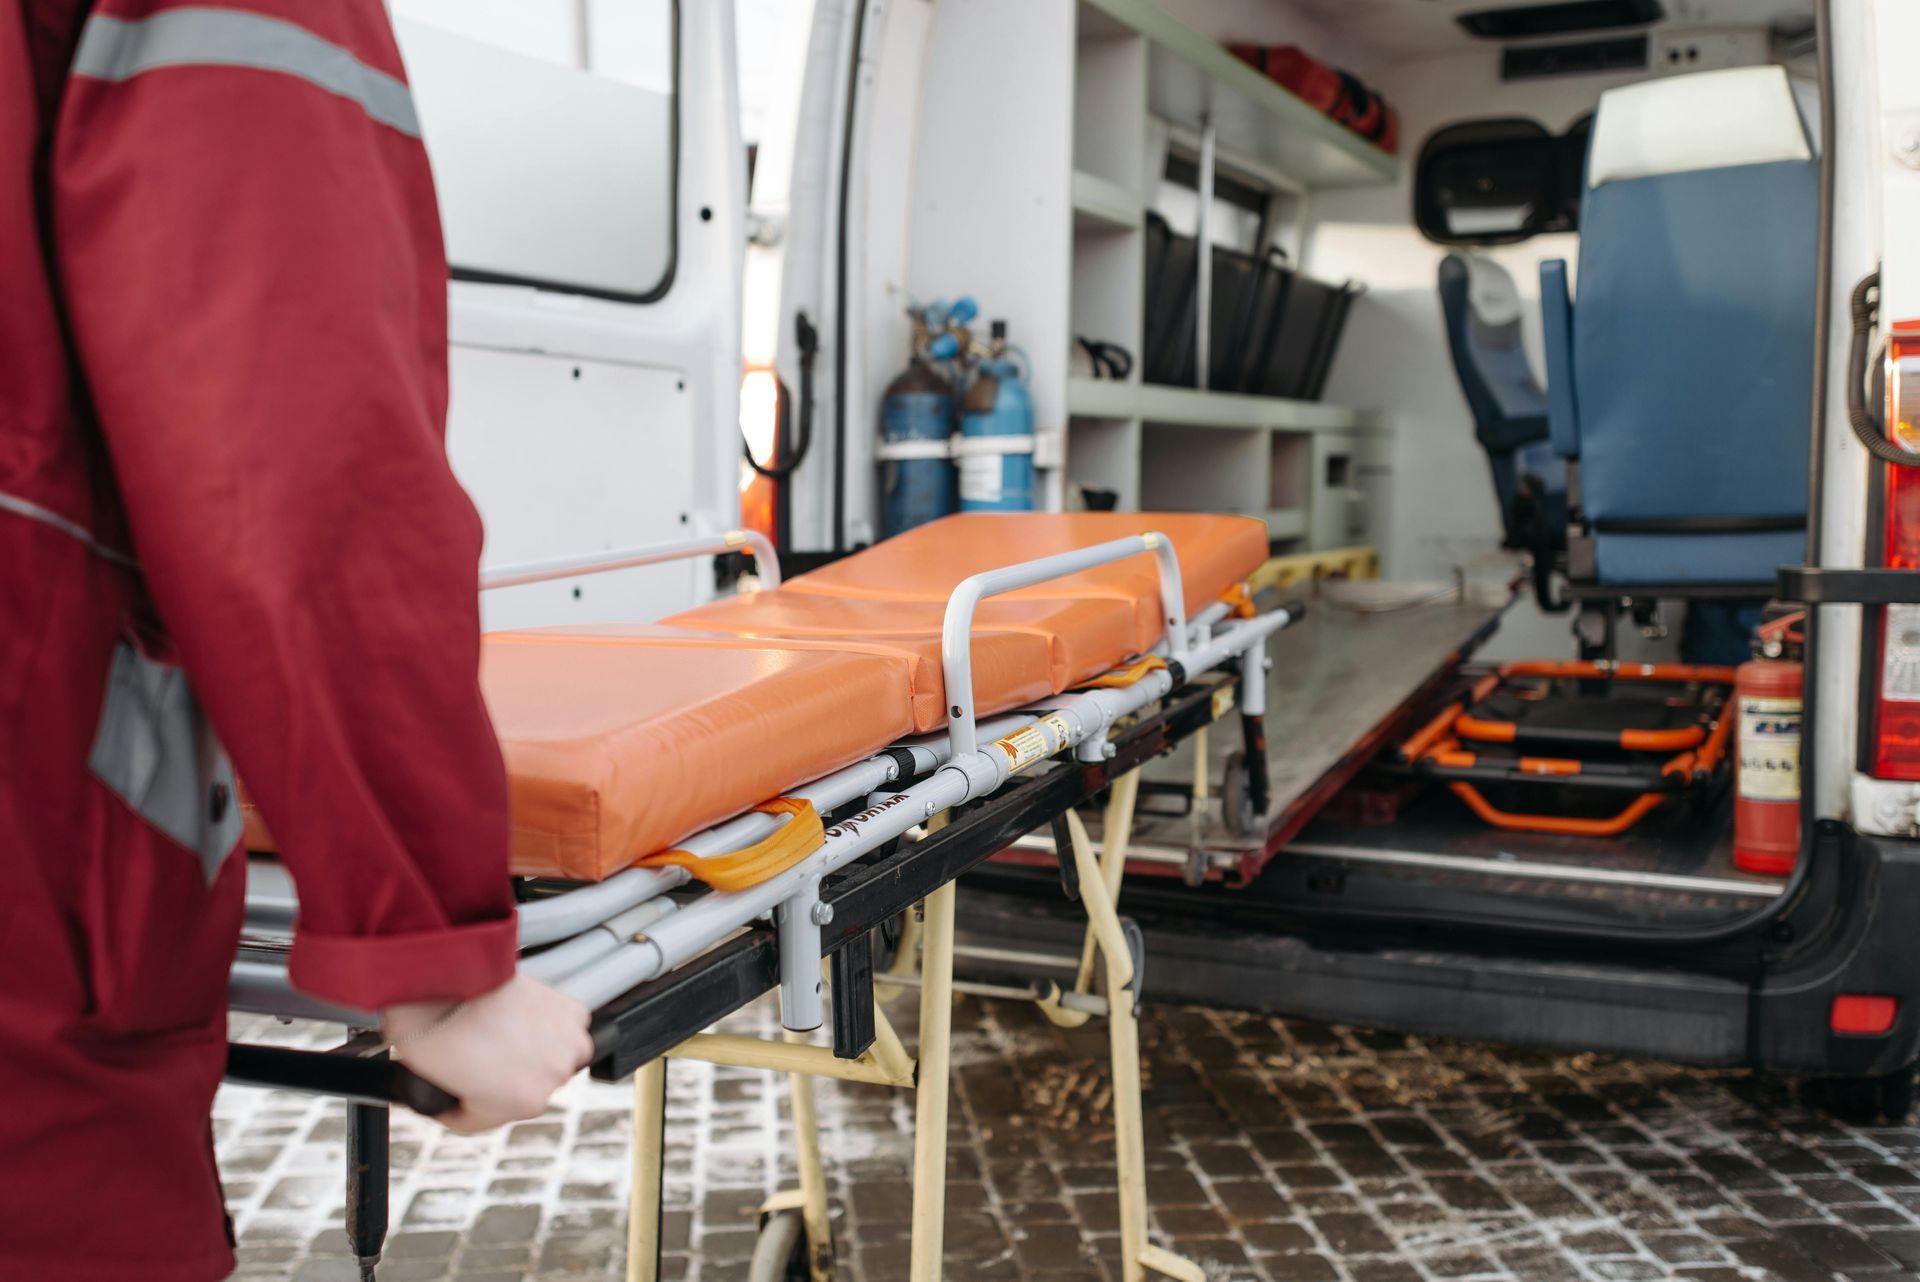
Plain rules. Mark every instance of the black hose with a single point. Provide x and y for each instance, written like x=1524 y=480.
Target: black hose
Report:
x=807 y=338
x=841 y=251
x=1823 y=276
x=1865 y=305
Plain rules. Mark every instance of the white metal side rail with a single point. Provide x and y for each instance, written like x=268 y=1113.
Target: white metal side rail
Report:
x=658 y=959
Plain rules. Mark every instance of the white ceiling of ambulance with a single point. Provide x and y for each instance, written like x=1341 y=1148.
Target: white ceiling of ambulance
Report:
x=1412 y=28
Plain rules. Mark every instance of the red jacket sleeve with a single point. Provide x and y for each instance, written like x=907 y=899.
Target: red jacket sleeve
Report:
x=250 y=254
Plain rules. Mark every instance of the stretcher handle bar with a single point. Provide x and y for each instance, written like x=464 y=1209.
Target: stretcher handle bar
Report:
x=956 y=634
x=830 y=792
x=547 y=921
x=263 y=988
x=365 y=1081
x=766 y=562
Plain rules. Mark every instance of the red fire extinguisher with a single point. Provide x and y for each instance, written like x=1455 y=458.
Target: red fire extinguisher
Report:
x=1766 y=805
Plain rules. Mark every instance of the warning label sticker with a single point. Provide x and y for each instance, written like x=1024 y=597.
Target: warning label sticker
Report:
x=1769 y=749
x=1222 y=701
x=1024 y=747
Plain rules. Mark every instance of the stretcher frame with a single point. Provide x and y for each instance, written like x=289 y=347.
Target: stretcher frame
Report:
x=1695 y=756
x=655 y=982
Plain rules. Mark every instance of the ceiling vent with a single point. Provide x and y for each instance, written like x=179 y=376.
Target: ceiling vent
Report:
x=1560 y=19
x=1590 y=57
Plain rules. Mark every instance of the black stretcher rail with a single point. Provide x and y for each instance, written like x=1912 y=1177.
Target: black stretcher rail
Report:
x=1819 y=585
x=650 y=1020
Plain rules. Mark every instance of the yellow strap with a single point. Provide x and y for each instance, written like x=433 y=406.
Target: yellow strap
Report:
x=780 y=850
x=1240 y=597
x=1124 y=676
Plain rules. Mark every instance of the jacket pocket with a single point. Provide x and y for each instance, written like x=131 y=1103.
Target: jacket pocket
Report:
x=156 y=751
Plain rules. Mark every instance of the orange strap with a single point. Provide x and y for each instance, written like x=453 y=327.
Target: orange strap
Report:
x=1633 y=814
x=1716 y=747
x=1126 y=676
x=1240 y=597
x=780 y=850
x=1677 y=740
x=1427 y=736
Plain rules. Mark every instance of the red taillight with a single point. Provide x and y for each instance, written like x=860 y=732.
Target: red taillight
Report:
x=1859 y=1016
x=1896 y=702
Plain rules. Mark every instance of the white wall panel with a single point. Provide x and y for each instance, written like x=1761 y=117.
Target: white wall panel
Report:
x=567 y=457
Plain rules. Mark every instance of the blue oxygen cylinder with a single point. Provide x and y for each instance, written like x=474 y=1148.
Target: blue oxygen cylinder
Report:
x=916 y=472
x=996 y=435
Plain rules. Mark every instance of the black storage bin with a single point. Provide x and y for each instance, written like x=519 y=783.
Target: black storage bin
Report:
x=1168 y=341
x=1301 y=351
x=1274 y=331
x=1330 y=331
x=1246 y=294
x=1257 y=337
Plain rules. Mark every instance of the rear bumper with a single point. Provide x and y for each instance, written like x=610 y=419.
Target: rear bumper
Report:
x=1759 y=996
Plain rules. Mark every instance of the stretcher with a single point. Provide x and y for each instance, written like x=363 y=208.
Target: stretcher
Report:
x=705 y=808
x=1551 y=731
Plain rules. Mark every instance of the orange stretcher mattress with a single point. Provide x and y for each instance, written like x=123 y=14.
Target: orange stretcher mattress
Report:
x=927 y=563
x=621 y=740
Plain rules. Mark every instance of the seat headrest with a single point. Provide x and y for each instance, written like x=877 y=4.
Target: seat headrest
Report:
x=1491 y=291
x=1707 y=120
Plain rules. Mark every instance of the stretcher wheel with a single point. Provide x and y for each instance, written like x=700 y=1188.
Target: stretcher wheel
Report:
x=780 y=1251
x=1236 y=803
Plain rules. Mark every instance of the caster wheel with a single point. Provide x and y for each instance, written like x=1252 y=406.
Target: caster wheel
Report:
x=780 y=1251
x=1236 y=807
x=1868 y=1101
x=1194 y=871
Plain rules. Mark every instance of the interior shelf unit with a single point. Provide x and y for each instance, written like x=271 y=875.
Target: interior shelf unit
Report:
x=1036 y=206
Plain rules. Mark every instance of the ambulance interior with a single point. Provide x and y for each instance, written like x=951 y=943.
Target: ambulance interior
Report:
x=1407 y=441
x=1367 y=367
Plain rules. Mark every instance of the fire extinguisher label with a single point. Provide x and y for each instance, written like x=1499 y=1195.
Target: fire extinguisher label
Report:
x=1769 y=749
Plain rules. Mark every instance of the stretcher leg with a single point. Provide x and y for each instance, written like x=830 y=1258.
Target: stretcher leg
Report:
x=1117 y=832
x=649 y=1163
x=1196 y=870
x=813 y=1175
x=930 y=1114
x=1123 y=1034
x=367 y=1152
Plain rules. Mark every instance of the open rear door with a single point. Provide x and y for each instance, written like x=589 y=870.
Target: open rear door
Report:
x=592 y=188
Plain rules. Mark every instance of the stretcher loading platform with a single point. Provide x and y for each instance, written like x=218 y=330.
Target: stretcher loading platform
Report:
x=1342 y=683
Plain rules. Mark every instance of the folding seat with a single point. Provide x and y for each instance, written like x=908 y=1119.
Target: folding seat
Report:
x=1681 y=380
x=1482 y=308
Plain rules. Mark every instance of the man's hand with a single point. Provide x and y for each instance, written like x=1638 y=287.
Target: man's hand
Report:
x=502 y=1055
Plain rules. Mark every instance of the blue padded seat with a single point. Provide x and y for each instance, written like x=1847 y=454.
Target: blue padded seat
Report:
x=1682 y=378
x=1481 y=305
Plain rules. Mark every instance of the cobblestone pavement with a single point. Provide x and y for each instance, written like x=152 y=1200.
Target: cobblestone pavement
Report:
x=1278 y=1150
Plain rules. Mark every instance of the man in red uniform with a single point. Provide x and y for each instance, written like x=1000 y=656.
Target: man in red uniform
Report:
x=225 y=506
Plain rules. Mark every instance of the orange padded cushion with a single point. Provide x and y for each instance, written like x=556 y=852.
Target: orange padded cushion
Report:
x=623 y=739
x=618 y=746
x=1076 y=638
x=927 y=563
x=1011 y=668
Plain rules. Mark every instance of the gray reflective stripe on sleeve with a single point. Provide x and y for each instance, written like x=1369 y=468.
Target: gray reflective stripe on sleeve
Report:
x=119 y=49
x=72 y=529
